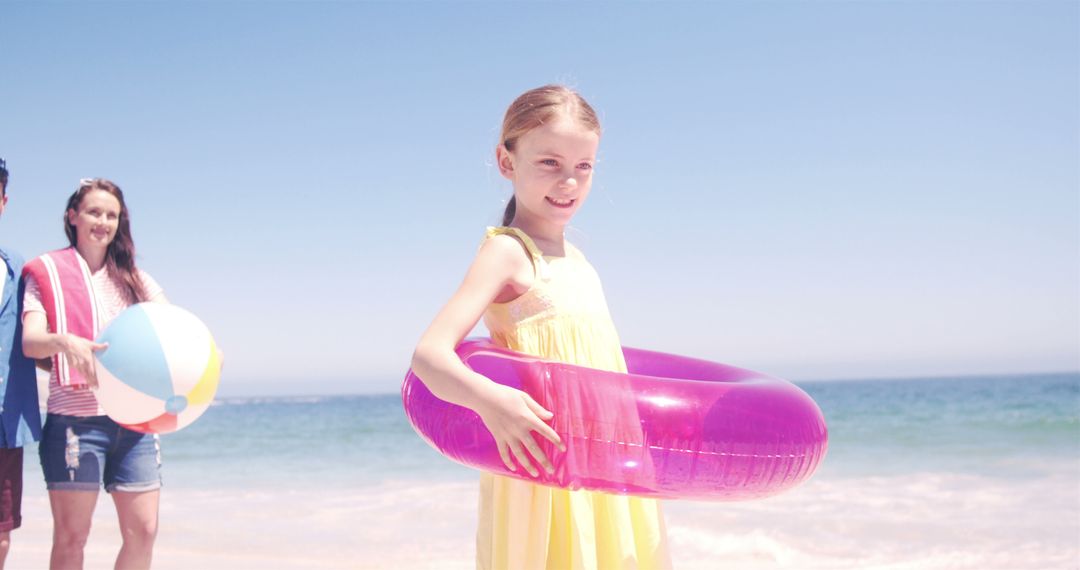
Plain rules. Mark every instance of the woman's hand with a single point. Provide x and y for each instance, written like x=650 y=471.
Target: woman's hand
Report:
x=38 y=343
x=80 y=355
x=511 y=416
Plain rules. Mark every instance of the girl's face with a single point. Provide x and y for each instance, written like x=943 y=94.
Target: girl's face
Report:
x=551 y=168
x=95 y=219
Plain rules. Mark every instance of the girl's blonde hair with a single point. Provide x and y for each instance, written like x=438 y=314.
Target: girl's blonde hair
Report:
x=536 y=107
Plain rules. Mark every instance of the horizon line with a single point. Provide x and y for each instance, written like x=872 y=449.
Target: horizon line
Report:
x=959 y=377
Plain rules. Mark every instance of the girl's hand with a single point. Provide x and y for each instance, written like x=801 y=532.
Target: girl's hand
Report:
x=80 y=355
x=511 y=416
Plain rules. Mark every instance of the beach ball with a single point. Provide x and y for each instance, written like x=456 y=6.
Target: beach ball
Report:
x=160 y=371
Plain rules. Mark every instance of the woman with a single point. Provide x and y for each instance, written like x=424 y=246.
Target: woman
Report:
x=72 y=294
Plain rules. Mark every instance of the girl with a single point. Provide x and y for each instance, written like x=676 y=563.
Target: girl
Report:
x=71 y=294
x=538 y=295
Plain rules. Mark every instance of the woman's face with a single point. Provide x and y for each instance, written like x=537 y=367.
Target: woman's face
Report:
x=95 y=219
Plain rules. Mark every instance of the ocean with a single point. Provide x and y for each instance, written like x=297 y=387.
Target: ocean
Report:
x=973 y=472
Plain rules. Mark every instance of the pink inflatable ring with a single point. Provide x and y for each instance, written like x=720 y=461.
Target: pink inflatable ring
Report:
x=673 y=427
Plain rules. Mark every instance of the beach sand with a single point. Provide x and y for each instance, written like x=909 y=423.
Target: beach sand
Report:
x=931 y=521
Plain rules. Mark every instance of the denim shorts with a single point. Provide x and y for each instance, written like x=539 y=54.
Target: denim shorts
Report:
x=81 y=453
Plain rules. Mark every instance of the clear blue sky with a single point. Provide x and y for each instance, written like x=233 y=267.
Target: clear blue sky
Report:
x=812 y=189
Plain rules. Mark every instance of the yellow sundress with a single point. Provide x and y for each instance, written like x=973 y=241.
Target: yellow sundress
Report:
x=524 y=526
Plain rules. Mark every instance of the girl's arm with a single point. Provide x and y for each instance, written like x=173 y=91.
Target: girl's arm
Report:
x=500 y=269
x=38 y=343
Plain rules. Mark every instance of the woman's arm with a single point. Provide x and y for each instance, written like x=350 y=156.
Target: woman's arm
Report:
x=151 y=289
x=38 y=343
x=501 y=268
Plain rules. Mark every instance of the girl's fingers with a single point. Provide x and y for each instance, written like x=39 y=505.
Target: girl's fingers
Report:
x=537 y=409
x=523 y=459
x=504 y=454
x=545 y=430
x=549 y=434
x=537 y=453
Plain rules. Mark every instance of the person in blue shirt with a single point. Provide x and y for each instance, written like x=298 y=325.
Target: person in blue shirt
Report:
x=20 y=416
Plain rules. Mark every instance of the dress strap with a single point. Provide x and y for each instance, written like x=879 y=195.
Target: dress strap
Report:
x=539 y=263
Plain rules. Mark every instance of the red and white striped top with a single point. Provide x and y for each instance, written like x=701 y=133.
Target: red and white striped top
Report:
x=111 y=300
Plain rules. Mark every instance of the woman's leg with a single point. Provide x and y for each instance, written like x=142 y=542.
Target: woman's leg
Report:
x=71 y=452
x=72 y=513
x=133 y=478
x=138 y=514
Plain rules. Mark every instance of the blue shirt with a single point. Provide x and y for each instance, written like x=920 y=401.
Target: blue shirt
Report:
x=20 y=416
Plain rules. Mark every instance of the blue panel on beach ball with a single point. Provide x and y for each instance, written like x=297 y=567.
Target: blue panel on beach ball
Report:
x=135 y=356
x=176 y=404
